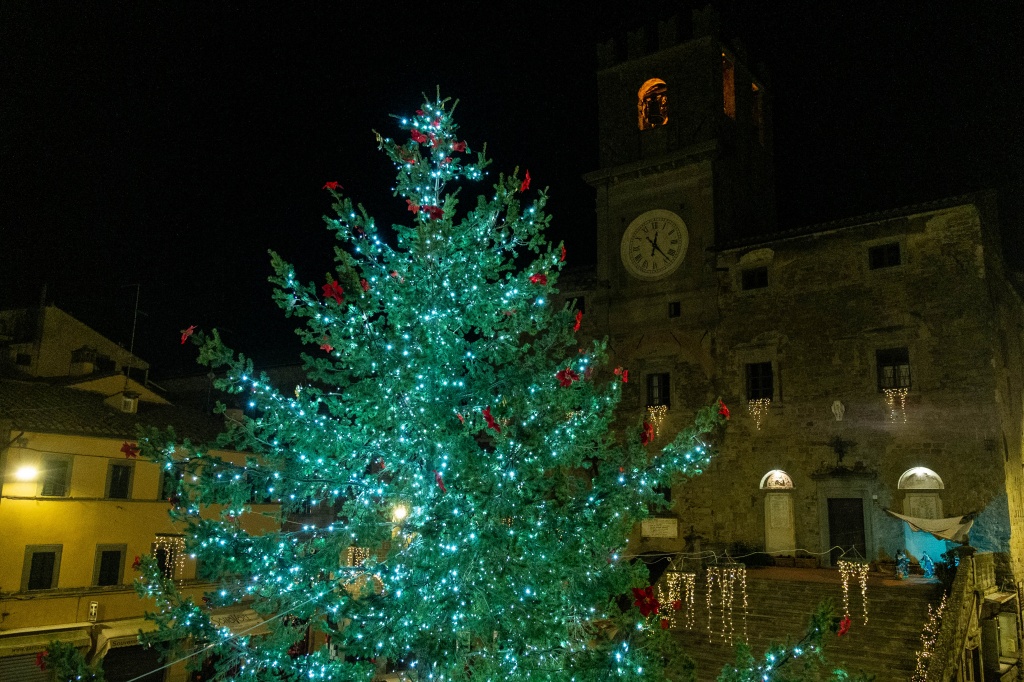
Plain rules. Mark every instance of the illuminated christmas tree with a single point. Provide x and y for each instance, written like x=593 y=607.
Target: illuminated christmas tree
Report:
x=460 y=438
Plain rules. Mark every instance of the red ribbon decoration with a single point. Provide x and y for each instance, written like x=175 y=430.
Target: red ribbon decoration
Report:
x=130 y=450
x=334 y=290
x=440 y=481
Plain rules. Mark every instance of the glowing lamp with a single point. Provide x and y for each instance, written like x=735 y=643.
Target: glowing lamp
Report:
x=26 y=473
x=399 y=513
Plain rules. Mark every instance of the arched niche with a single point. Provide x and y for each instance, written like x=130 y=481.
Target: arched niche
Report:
x=776 y=479
x=652 y=104
x=779 y=526
x=920 y=478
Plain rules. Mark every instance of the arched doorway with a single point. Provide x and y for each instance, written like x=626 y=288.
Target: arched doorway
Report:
x=921 y=500
x=779 y=528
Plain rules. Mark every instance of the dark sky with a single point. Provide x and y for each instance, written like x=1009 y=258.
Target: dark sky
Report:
x=171 y=144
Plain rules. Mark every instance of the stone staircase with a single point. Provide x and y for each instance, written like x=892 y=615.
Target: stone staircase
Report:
x=780 y=602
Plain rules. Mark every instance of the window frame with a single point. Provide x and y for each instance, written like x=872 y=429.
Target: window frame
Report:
x=97 y=564
x=659 y=389
x=68 y=462
x=884 y=250
x=749 y=379
x=749 y=283
x=111 y=466
x=26 y=569
x=893 y=362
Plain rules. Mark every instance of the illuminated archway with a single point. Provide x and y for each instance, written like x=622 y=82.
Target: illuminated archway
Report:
x=776 y=479
x=652 y=104
x=920 y=478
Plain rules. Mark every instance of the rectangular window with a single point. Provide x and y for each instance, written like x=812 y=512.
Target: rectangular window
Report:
x=893 y=368
x=884 y=256
x=23 y=359
x=674 y=309
x=119 y=481
x=755 y=278
x=109 y=566
x=658 y=389
x=41 y=567
x=760 y=382
x=728 y=87
x=56 y=477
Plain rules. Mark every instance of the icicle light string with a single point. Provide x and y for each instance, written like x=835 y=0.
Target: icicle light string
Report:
x=858 y=570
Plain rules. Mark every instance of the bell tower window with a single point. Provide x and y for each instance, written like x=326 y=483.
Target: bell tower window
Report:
x=652 y=104
x=728 y=87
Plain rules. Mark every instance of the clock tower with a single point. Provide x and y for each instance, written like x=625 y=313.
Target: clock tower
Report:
x=685 y=167
x=685 y=156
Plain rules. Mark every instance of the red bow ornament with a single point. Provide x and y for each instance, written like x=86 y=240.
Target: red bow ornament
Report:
x=137 y=563
x=459 y=146
x=417 y=136
x=185 y=333
x=647 y=435
x=41 y=660
x=844 y=626
x=526 y=182
x=332 y=185
x=491 y=423
x=566 y=377
x=539 y=278
x=440 y=481
x=334 y=290
x=645 y=600
x=723 y=410
x=130 y=450
x=364 y=284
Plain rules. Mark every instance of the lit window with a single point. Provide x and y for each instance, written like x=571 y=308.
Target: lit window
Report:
x=760 y=382
x=652 y=104
x=893 y=368
x=728 y=87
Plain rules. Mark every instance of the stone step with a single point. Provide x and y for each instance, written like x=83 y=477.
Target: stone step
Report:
x=778 y=609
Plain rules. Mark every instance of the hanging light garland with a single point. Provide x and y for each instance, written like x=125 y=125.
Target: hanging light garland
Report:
x=896 y=400
x=679 y=590
x=174 y=549
x=656 y=415
x=929 y=636
x=758 y=407
x=728 y=579
x=850 y=569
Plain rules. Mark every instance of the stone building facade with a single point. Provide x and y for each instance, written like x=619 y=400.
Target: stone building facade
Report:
x=870 y=364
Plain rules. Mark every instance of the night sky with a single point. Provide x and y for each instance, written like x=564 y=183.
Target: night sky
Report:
x=169 y=145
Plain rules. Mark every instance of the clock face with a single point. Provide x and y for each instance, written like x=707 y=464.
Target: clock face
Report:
x=654 y=244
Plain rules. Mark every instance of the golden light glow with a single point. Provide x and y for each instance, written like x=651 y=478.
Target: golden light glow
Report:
x=26 y=473
x=850 y=569
x=656 y=415
x=729 y=579
x=652 y=104
x=758 y=407
x=399 y=513
x=896 y=400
